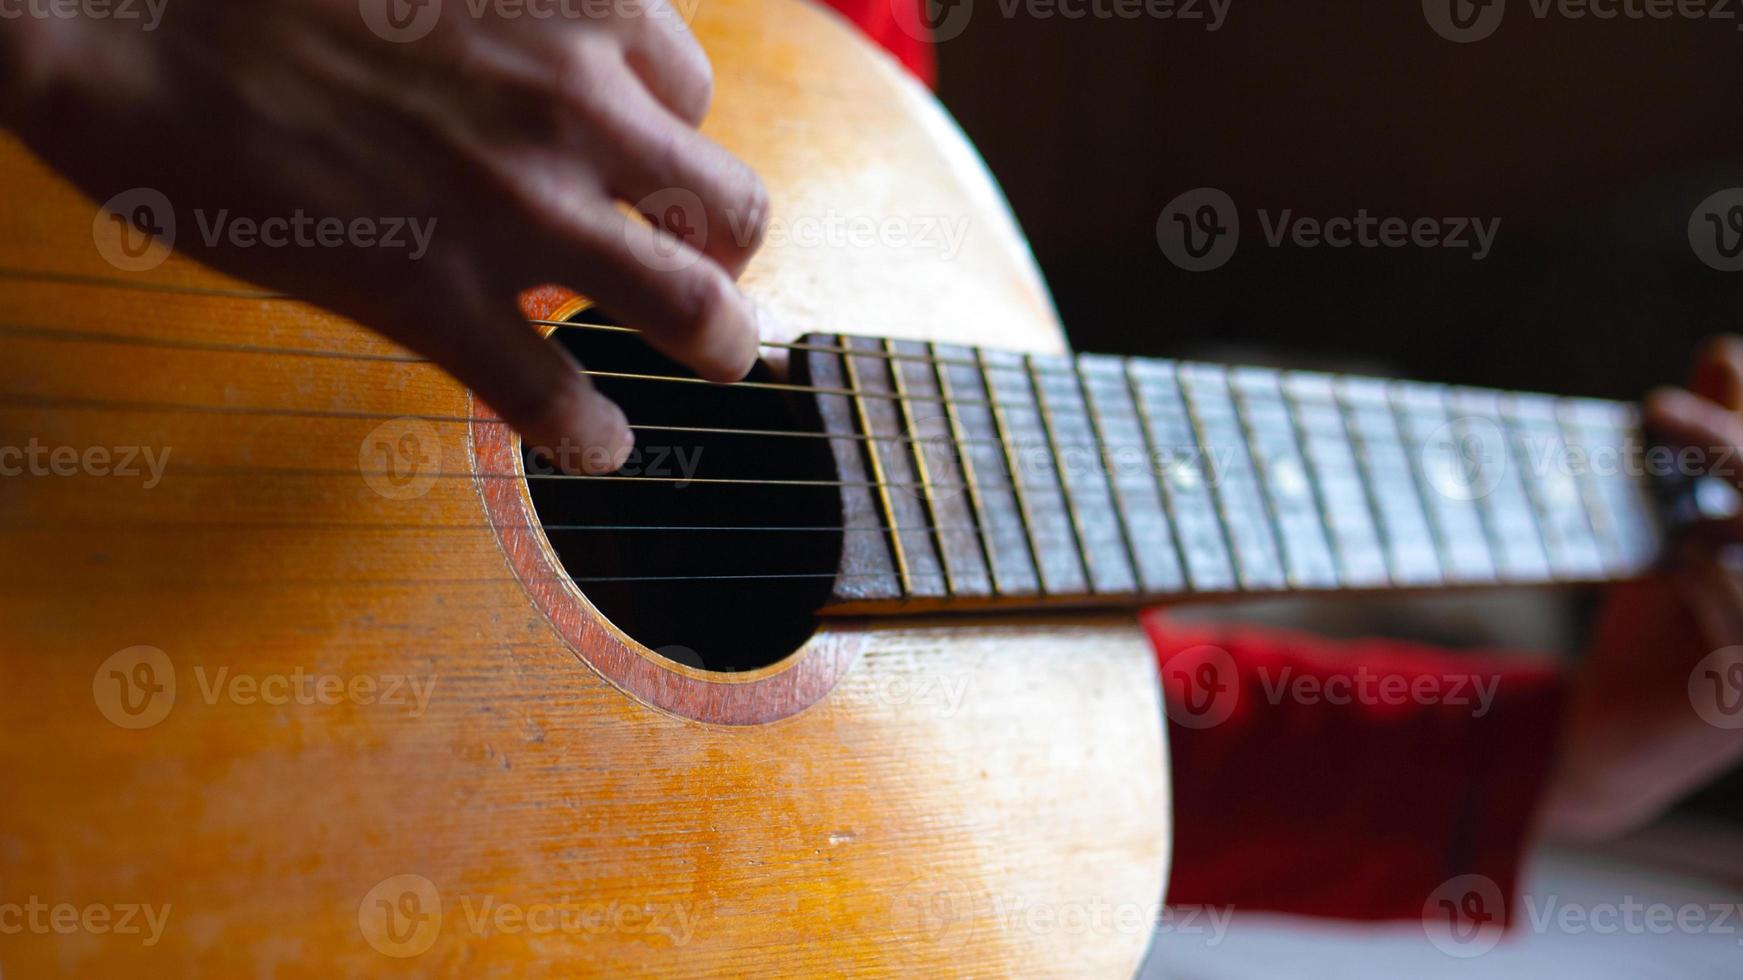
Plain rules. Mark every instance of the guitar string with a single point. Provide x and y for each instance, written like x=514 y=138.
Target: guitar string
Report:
x=895 y=396
x=1063 y=367
x=846 y=392
x=185 y=525
x=506 y=579
x=97 y=336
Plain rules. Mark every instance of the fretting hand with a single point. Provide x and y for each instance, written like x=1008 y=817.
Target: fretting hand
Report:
x=1637 y=734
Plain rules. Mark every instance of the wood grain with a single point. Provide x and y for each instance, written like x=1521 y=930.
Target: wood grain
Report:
x=959 y=774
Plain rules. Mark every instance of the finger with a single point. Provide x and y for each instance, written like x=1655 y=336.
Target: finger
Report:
x=535 y=386
x=1686 y=419
x=685 y=305
x=1718 y=372
x=666 y=56
x=1714 y=595
x=686 y=183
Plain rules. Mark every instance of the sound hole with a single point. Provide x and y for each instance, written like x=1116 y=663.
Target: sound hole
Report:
x=724 y=576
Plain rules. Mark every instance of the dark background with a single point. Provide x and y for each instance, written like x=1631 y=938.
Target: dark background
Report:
x=1592 y=141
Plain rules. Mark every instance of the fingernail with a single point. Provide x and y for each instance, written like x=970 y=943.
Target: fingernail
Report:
x=610 y=439
x=734 y=343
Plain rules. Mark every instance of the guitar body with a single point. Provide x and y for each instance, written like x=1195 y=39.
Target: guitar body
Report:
x=346 y=724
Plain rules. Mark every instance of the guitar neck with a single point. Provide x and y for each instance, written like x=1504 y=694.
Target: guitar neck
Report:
x=978 y=477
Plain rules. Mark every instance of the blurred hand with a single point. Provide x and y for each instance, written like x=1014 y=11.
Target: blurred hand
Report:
x=516 y=136
x=1633 y=738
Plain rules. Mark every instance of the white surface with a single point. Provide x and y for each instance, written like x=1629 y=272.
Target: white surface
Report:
x=1689 y=870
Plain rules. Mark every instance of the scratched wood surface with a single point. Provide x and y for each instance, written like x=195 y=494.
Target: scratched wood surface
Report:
x=380 y=758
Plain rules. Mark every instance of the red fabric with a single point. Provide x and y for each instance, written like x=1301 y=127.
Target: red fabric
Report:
x=899 y=28
x=1356 y=800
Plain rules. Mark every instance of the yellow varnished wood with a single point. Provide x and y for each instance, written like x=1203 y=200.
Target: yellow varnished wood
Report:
x=978 y=797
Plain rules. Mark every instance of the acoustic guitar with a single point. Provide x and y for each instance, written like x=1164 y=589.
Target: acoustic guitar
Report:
x=310 y=668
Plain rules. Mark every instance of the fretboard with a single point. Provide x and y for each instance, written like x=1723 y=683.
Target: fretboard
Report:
x=981 y=477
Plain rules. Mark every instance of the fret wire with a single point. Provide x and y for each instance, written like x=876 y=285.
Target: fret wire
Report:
x=977 y=504
x=877 y=464
x=1374 y=430
x=929 y=501
x=1338 y=517
x=1256 y=552
x=1307 y=558
x=1073 y=518
x=1463 y=558
x=1514 y=535
x=1224 y=576
x=1019 y=486
x=1605 y=534
x=1566 y=530
x=1265 y=496
x=1098 y=425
